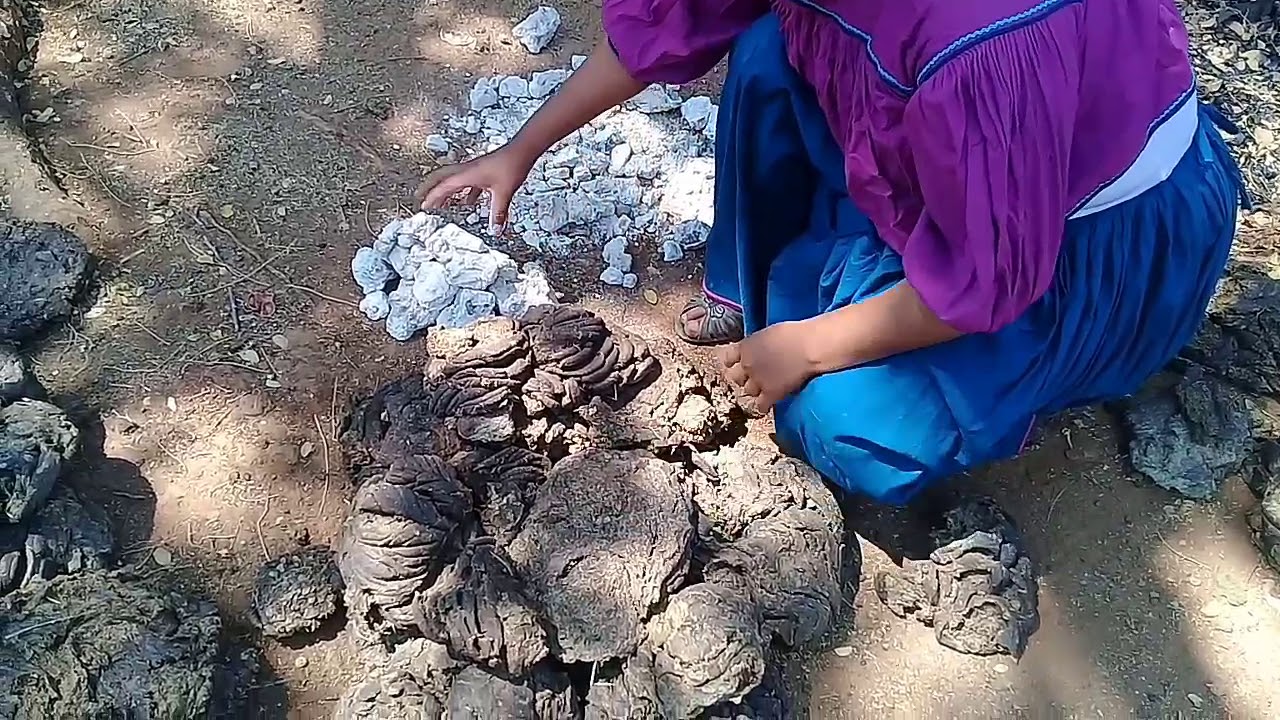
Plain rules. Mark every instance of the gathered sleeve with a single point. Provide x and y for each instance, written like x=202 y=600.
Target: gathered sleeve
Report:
x=990 y=134
x=675 y=41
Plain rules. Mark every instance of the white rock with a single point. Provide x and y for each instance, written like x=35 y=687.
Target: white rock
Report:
x=534 y=239
x=530 y=289
x=709 y=130
x=545 y=82
x=398 y=258
x=612 y=276
x=437 y=144
x=691 y=234
x=672 y=251
x=375 y=306
x=451 y=237
x=554 y=215
x=696 y=111
x=513 y=86
x=406 y=315
x=467 y=308
x=629 y=280
x=387 y=237
x=535 y=32
x=576 y=61
x=618 y=158
x=655 y=99
x=473 y=219
x=615 y=254
x=483 y=95
x=431 y=286
x=475 y=271
x=472 y=125
x=371 y=270
x=689 y=194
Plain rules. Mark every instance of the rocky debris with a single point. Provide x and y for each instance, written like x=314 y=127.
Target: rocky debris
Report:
x=1189 y=436
x=43 y=269
x=421 y=273
x=295 y=593
x=16 y=380
x=608 y=537
x=978 y=589
x=641 y=173
x=96 y=644
x=36 y=440
x=536 y=31
x=588 y=531
x=64 y=536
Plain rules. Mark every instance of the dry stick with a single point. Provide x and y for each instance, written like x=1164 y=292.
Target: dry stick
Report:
x=244 y=277
x=154 y=336
x=235 y=315
x=110 y=151
x=102 y=180
x=1188 y=558
x=324 y=493
x=266 y=507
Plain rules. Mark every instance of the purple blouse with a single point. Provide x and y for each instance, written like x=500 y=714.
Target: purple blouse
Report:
x=971 y=130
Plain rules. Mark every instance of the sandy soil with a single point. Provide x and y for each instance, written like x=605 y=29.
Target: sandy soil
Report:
x=233 y=155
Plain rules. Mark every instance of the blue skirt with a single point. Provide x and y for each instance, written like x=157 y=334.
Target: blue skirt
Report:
x=1131 y=286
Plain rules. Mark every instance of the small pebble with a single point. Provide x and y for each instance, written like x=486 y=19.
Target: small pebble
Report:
x=1196 y=701
x=843 y=651
x=1001 y=668
x=300 y=662
x=437 y=144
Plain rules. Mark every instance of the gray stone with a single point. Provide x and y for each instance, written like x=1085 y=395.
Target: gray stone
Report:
x=536 y=31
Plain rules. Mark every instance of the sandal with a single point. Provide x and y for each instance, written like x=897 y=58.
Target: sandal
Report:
x=720 y=324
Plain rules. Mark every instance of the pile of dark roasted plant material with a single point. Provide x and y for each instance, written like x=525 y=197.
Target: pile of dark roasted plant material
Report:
x=1215 y=416
x=77 y=639
x=542 y=529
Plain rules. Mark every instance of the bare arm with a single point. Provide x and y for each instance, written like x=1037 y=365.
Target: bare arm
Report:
x=598 y=85
x=893 y=322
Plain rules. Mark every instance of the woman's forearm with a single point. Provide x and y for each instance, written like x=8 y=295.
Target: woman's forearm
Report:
x=601 y=83
x=893 y=322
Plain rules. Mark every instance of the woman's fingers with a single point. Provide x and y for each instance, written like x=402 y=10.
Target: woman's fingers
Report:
x=751 y=387
x=499 y=205
x=736 y=374
x=730 y=355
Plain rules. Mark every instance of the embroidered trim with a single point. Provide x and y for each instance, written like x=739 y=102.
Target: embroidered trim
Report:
x=1161 y=119
x=994 y=30
x=862 y=35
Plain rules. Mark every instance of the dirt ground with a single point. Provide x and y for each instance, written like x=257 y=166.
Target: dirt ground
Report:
x=234 y=154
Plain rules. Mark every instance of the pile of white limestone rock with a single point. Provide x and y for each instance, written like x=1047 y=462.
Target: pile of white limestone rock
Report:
x=423 y=272
x=643 y=172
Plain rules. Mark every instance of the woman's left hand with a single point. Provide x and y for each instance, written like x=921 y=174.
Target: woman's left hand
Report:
x=770 y=364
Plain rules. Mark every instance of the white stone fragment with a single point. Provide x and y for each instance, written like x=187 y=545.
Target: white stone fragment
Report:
x=612 y=276
x=372 y=272
x=710 y=129
x=545 y=82
x=656 y=99
x=696 y=111
x=437 y=144
x=452 y=237
x=513 y=86
x=387 y=238
x=630 y=280
x=615 y=254
x=431 y=287
x=689 y=194
x=472 y=125
x=467 y=308
x=475 y=271
x=691 y=234
x=618 y=158
x=576 y=61
x=375 y=306
x=529 y=289
x=536 y=31
x=672 y=251
x=483 y=95
x=407 y=316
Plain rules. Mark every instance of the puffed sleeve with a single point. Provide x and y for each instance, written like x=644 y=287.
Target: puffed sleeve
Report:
x=990 y=135
x=675 y=41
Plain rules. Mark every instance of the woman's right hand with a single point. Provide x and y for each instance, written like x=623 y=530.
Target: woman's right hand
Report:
x=500 y=172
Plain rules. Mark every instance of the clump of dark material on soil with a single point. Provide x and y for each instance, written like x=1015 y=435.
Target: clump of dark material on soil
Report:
x=297 y=592
x=1215 y=416
x=537 y=535
x=16 y=379
x=977 y=589
x=43 y=270
x=76 y=639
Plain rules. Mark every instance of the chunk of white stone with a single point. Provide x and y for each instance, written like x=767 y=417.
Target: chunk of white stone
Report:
x=534 y=239
x=371 y=271
x=475 y=271
x=655 y=99
x=672 y=251
x=407 y=316
x=612 y=276
x=375 y=306
x=387 y=237
x=615 y=254
x=630 y=280
x=554 y=214
x=576 y=61
x=483 y=95
x=467 y=308
x=452 y=237
x=545 y=82
x=691 y=234
x=437 y=144
x=472 y=125
x=398 y=258
x=431 y=286
x=529 y=289
x=696 y=111
x=536 y=31
x=689 y=194
x=513 y=86
x=618 y=158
